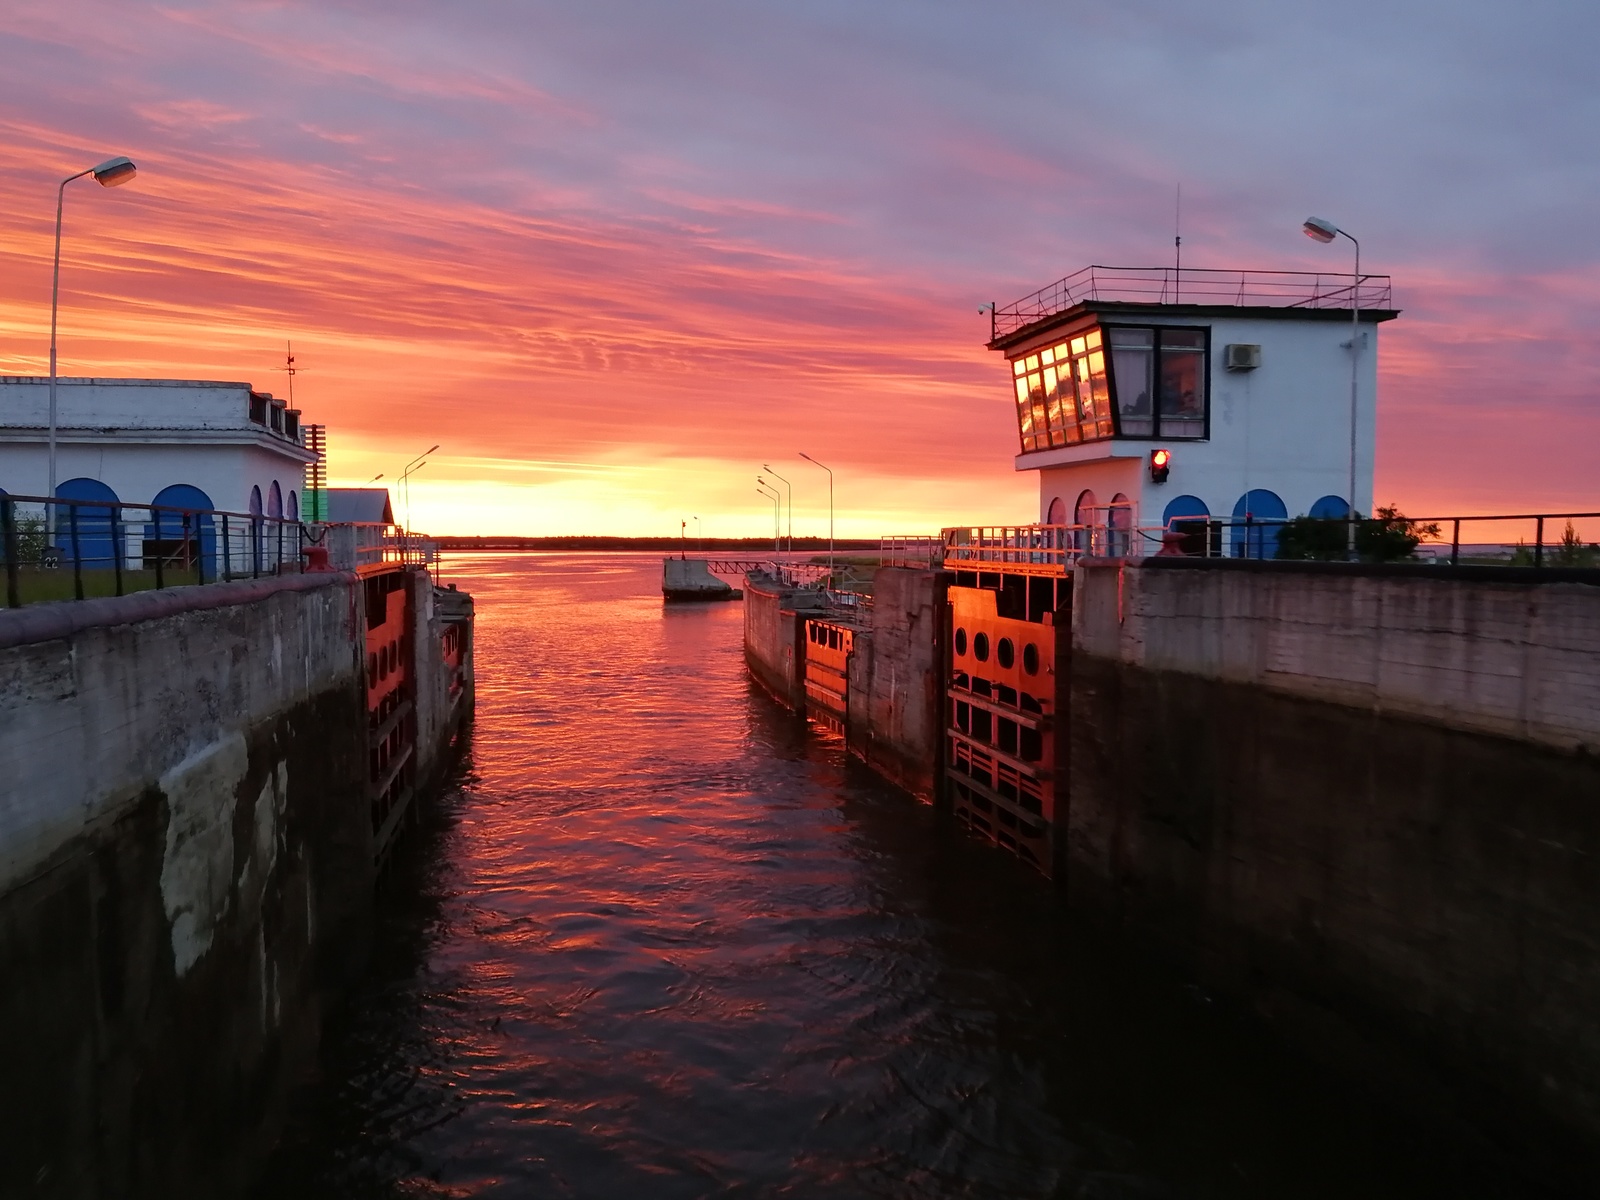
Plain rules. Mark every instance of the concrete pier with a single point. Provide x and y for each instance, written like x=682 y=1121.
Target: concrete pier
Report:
x=187 y=861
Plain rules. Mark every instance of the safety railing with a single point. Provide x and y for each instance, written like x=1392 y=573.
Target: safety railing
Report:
x=66 y=549
x=1192 y=285
x=1527 y=539
x=74 y=549
x=910 y=550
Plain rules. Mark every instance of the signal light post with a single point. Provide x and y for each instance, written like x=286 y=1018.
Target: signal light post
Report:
x=1160 y=464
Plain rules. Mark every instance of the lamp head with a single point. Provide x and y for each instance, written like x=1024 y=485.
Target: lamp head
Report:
x=1320 y=230
x=114 y=172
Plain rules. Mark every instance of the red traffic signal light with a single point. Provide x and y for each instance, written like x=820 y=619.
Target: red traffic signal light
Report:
x=1160 y=463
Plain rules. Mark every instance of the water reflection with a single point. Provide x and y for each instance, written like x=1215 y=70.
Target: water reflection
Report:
x=662 y=941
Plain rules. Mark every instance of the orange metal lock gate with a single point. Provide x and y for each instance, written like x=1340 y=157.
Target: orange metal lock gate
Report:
x=391 y=706
x=1000 y=751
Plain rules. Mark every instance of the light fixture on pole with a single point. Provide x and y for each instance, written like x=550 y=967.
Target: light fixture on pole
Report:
x=376 y=477
x=416 y=464
x=1325 y=231
x=114 y=172
x=815 y=463
x=771 y=493
x=790 y=491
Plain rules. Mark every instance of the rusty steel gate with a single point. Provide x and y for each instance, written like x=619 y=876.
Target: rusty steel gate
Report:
x=828 y=647
x=1004 y=737
x=391 y=704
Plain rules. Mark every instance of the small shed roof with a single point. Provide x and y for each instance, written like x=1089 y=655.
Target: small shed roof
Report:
x=360 y=506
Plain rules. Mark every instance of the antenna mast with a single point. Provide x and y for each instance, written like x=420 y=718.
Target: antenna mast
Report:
x=1177 y=246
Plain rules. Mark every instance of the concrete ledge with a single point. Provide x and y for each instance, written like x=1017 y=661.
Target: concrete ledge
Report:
x=1467 y=573
x=62 y=618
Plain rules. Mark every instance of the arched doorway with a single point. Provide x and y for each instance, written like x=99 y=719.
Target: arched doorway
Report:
x=87 y=532
x=1085 y=518
x=1257 y=516
x=1119 y=526
x=181 y=532
x=256 y=530
x=1188 y=516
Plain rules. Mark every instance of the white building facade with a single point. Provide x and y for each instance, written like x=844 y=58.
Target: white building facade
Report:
x=187 y=443
x=1240 y=379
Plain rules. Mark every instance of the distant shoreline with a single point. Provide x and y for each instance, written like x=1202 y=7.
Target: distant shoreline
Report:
x=744 y=546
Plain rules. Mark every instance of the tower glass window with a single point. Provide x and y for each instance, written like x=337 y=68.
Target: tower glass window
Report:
x=1157 y=377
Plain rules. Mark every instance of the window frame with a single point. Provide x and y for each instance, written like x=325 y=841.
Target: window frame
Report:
x=1155 y=433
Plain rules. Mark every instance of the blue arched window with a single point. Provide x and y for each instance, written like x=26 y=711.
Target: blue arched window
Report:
x=1256 y=519
x=1330 y=507
x=292 y=508
x=94 y=541
x=274 y=500
x=182 y=538
x=1182 y=507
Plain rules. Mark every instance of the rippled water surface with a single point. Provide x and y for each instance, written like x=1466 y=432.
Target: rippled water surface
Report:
x=661 y=940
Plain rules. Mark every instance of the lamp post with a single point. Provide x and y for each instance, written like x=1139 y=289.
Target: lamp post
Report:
x=815 y=463
x=1325 y=231
x=114 y=172
x=416 y=464
x=790 y=492
x=771 y=494
x=699 y=542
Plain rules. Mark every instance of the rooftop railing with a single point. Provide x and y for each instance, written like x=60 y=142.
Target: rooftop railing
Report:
x=1193 y=285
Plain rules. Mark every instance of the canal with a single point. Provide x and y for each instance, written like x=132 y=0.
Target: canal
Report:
x=661 y=940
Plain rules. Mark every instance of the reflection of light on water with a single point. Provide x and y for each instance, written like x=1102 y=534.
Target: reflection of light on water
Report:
x=669 y=941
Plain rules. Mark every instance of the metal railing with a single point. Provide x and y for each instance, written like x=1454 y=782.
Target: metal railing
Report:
x=910 y=550
x=70 y=549
x=1052 y=549
x=74 y=549
x=1192 y=285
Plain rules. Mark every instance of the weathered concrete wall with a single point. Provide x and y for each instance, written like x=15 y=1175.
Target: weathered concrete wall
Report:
x=1265 y=776
x=896 y=680
x=1461 y=649
x=185 y=867
x=774 y=638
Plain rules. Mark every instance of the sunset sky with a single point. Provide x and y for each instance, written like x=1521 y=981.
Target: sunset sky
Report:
x=616 y=256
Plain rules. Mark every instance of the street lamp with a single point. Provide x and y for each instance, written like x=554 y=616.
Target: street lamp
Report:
x=1325 y=231
x=114 y=172
x=790 y=491
x=771 y=493
x=416 y=464
x=815 y=463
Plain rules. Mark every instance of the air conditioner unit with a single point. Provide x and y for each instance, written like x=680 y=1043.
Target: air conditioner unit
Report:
x=1239 y=357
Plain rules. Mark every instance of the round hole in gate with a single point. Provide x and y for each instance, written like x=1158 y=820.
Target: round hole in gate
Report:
x=980 y=647
x=1004 y=652
x=961 y=643
x=1030 y=659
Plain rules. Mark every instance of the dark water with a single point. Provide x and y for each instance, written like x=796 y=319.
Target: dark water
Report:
x=663 y=941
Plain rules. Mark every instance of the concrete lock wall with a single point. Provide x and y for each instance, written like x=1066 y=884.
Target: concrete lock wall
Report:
x=896 y=701
x=774 y=635
x=1367 y=801
x=185 y=870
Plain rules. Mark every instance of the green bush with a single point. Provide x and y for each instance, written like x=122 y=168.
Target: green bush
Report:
x=1386 y=537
